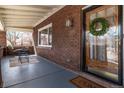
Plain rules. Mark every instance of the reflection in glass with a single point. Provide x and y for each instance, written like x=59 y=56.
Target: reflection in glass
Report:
x=111 y=20
x=110 y=11
x=93 y=16
x=103 y=51
x=50 y=36
x=101 y=13
x=44 y=37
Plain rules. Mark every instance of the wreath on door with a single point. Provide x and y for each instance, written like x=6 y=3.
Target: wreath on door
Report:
x=104 y=25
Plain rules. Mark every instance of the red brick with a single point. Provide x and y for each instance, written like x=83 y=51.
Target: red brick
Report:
x=3 y=38
x=66 y=41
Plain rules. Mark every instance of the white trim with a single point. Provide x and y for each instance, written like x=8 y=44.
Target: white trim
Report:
x=1 y=26
x=19 y=29
x=86 y=7
x=49 y=14
x=49 y=46
x=2 y=22
x=45 y=27
x=41 y=29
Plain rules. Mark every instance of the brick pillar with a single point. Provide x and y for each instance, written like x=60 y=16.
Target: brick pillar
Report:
x=3 y=38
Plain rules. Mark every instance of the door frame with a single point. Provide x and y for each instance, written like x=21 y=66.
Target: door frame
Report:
x=83 y=43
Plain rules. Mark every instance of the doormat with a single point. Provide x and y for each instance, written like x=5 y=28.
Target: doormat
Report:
x=82 y=82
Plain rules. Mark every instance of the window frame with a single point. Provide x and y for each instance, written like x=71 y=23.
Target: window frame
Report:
x=42 y=29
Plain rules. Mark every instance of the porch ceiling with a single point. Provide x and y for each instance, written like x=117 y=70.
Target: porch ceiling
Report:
x=24 y=16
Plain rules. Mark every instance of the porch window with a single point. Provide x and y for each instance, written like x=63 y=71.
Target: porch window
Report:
x=45 y=36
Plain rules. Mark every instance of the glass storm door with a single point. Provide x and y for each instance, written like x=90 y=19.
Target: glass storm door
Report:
x=103 y=52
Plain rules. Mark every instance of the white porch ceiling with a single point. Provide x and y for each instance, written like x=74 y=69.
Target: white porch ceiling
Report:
x=24 y=16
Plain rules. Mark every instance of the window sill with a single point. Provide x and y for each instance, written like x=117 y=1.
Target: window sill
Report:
x=44 y=46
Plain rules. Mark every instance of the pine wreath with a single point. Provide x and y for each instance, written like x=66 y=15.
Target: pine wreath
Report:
x=104 y=23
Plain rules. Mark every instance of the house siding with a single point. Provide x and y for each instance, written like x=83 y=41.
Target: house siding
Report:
x=65 y=49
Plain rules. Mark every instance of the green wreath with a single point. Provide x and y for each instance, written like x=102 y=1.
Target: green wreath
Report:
x=104 y=23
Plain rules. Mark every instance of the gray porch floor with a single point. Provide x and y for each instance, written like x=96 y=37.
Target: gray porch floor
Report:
x=44 y=74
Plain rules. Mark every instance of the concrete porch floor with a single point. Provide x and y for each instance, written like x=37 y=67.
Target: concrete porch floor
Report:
x=44 y=74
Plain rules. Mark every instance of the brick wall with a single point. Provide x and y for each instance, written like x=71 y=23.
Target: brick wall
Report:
x=3 y=38
x=66 y=41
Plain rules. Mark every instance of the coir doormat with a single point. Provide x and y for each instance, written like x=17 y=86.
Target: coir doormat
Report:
x=82 y=82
